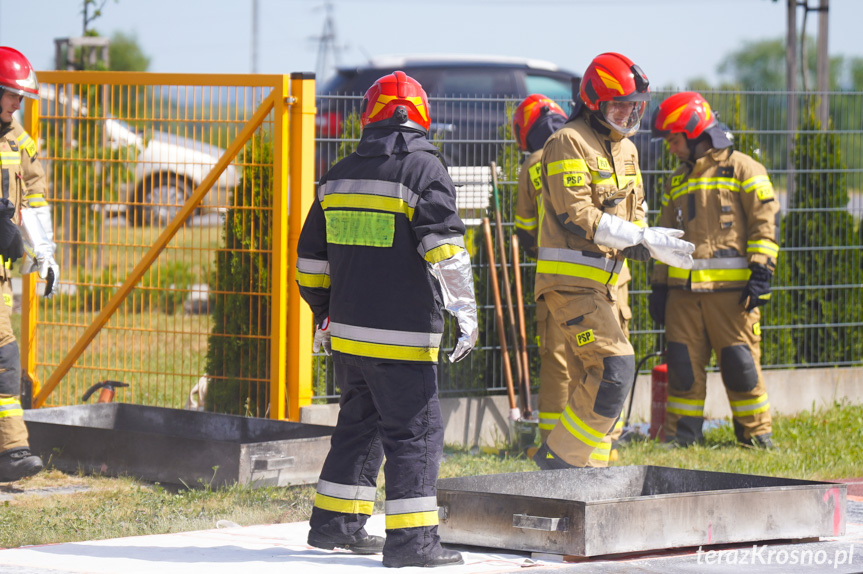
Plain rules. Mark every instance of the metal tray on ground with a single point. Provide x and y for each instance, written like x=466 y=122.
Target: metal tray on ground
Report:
x=625 y=509
x=174 y=446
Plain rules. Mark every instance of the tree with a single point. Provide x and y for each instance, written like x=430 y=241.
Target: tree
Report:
x=125 y=54
x=822 y=262
x=760 y=65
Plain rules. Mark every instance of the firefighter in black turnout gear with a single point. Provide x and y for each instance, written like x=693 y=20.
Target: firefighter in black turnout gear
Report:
x=381 y=252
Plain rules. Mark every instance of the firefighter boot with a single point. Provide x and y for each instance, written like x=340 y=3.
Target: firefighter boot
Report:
x=445 y=558
x=360 y=543
x=18 y=463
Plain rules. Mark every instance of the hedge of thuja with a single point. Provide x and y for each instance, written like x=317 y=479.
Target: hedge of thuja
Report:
x=821 y=258
x=238 y=346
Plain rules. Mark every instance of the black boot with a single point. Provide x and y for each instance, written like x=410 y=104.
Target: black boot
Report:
x=545 y=459
x=445 y=558
x=363 y=544
x=18 y=463
x=763 y=441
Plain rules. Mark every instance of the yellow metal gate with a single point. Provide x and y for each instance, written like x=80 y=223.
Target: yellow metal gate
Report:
x=176 y=231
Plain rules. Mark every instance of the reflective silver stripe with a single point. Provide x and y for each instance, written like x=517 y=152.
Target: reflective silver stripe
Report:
x=573 y=256
x=405 y=505
x=386 y=336
x=346 y=491
x=392 y=189
x=431 y=241
x=720 y=263
x=16 y=406
x=314 y=266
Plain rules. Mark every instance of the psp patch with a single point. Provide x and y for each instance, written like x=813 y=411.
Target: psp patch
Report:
x=573 y=180
x=585 y=337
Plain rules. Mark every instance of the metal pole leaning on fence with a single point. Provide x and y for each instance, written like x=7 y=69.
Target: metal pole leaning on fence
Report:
x=527 y=411
x=505 y=273
x=498 y=315
x=161 y=242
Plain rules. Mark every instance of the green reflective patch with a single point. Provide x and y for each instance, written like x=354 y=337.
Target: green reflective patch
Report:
x=360 y=228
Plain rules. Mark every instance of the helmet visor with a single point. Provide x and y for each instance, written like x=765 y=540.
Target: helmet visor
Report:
x=624 y=117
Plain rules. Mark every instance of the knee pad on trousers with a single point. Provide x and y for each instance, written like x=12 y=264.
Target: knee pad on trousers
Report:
x=738 y=368
x=10 y=370
x=680 y=375
x=617 y=377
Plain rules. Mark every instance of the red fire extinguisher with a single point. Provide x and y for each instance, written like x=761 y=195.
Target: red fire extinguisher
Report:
x=658 y=400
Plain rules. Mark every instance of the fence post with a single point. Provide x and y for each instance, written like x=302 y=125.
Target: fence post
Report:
x=301 y=167
x=29 y=301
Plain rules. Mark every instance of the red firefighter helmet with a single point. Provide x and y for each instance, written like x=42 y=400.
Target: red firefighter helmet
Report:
x=528 y=111
x=396 y=100
x=16 y=73
x=686 y=113
x=613 y=77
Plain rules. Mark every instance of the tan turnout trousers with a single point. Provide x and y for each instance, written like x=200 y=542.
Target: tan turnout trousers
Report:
x=697 y=324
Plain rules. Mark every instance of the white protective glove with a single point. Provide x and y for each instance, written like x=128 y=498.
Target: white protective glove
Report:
x=663 y=243
x=456 y=280
x=38 y=238
x=322 y=338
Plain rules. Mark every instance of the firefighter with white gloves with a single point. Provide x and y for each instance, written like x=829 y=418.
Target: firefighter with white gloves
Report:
x=723 y=202
x=25 y=228
x=592 y=220
x=381 y=254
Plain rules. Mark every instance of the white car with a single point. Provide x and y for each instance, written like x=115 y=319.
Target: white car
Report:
x=167 y=169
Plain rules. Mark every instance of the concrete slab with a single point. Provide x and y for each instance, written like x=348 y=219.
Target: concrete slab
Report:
x=279 y=548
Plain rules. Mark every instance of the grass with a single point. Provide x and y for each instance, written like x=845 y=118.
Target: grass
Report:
x=818 y=445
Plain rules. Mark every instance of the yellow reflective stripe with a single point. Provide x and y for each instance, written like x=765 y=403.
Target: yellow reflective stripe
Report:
x=576 y=270
x=526 y=224
x=764 y=246
x=580 y=430
x=442 y=252
x=705 y=183
x=602 y=452
x=362 y=201
x=713 y=275
x=685 y=407
x=382 y=351
x=677 y=272
x=755 y=181
x=37 y=202
x=10 y=158
x=640 y=223
x=750 y=407
x=548 y=420
x=412 y=520
x=313 y=280
x=325 y=502
x=597 y=179
x=566 y=165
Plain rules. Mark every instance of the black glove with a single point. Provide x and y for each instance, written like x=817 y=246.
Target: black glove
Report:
x=757 y=290
x=11 y=244
x=637 y=253
x=656 y=302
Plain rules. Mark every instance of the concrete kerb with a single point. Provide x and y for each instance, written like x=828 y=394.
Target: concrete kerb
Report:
x=483 y=421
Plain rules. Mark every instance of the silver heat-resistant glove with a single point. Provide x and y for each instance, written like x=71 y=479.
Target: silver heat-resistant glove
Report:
x=663 y=243
x=38 y=236
x=322 y=338
x=456 y=280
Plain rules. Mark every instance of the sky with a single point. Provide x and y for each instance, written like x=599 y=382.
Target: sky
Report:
x=672 y=40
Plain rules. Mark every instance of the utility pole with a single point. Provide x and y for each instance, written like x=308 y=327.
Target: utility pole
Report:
x=823 y=68
x=327 y=44
x=254 y=36
x=791 y=88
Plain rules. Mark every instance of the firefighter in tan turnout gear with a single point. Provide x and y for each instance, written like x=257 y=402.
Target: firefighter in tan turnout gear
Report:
x=724 y=203
x=534 y=120
x=592 y=220
x=381 y=254
x=22 y=204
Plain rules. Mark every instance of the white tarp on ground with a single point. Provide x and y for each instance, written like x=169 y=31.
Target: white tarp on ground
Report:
x=282 y=548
